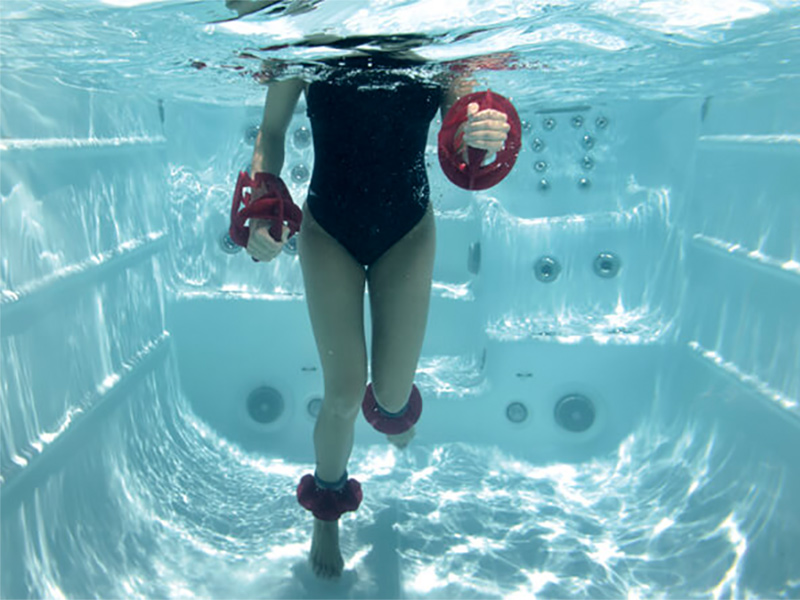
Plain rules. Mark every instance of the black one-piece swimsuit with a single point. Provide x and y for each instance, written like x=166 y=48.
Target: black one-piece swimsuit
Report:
x=370 y=118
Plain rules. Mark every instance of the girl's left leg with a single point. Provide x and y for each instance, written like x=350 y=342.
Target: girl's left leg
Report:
x=399 y=292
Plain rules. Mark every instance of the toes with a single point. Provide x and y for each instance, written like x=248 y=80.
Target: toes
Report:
x=325 y=570
x=321 y=570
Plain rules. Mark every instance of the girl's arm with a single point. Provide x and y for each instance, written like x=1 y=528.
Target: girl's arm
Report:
x=459 y=86
x=269 y=148
x=268 y=154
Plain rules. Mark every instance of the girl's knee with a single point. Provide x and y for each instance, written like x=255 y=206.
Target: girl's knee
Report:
x=344 y=400
x=391 y=398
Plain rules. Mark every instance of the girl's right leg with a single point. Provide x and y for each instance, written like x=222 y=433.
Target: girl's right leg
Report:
x=334 y=286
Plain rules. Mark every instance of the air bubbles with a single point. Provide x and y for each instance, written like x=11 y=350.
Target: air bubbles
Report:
x=584 y=183
x=587 y=141
x=549 y=123
x=540 y=166
x=526 y=126
x=544 y=185
x=300 y=173
x=577 y=121
x=587 y=163
x=538 y=144
x=601 y=122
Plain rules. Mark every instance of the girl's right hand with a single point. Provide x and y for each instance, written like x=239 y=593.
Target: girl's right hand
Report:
x=260 y=244
x=485 y=129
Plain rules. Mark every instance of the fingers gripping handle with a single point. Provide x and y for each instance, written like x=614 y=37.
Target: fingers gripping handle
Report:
x=269 y=199
x=473 y=175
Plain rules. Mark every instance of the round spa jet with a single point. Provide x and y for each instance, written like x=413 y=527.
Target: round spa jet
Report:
x=575 y=413
x=227 y=244
x=250 y=134
x=546 y=269
x=607 y=265
x=517 y=412
x=302 y=137
x=300 y=173
x=290 y=247
x=313 y=407
x=265 y=405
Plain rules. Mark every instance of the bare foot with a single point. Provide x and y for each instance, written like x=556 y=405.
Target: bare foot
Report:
x=401 y=440
x=326 y=558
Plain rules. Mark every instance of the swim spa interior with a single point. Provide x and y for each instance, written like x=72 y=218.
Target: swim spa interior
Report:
x=611 y=371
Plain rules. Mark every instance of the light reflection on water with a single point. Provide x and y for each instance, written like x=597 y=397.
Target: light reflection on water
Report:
x=671 y=512
x=622 y=48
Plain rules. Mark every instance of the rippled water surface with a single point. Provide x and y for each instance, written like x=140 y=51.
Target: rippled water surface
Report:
x=561 y=48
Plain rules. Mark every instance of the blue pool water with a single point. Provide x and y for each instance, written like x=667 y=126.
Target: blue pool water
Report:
x=611 y=369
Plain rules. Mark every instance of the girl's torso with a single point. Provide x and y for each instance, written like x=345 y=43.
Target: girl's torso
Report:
x=370 y=119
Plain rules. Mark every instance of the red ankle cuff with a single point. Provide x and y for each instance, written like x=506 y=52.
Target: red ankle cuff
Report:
x=326 y=504
x=388 y=424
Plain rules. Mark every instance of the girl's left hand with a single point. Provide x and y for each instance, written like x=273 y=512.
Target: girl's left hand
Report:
x=485 y=129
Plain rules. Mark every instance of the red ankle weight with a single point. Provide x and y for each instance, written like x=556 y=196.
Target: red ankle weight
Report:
x=386 y=422
x=327 y=504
